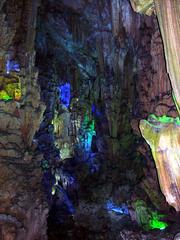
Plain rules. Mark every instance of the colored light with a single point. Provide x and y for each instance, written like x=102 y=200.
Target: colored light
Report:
x=57 y=189
x=110 y=206
x=163 y=119
x=95 y=111
x=53 y=191
x=147 y=218
x=12 y=88
x=65 y=94
x=12 y=66
x=163 y=134
x=93 y=162
x=17 y=92
x=87 y=132
x=155 y=222
x=4 y=96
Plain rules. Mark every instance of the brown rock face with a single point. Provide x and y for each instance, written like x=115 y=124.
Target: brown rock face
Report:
x=168 y=14
x=23 y=210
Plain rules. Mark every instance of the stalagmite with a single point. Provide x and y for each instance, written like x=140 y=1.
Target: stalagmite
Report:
x=163 y=136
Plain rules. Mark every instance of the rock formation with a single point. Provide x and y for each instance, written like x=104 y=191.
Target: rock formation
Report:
x=168 y=18
x=163 y=138
x=23 y=209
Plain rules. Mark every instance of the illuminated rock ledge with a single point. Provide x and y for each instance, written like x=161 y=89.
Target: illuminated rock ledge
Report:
x=163 y=136
x=143 y=6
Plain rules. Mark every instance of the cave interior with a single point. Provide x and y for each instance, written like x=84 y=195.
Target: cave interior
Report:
x=89 y=120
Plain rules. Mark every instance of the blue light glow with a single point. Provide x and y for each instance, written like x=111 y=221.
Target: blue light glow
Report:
x=67 y=201
x=58 y=190
x=65 y=94
x=123 y=209
x=88 y=139
x=12 y=66
x=66 y=179
x=93 y=164
x=95 y=111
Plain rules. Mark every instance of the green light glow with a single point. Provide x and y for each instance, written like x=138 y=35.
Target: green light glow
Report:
x=147 y=218
x=87 y=132
x=4 y=96
x=11 y=88
x=163 y=119
x=155 y=222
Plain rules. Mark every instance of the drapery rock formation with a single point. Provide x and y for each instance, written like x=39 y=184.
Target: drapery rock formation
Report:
x=23 y=209
x=163 y=134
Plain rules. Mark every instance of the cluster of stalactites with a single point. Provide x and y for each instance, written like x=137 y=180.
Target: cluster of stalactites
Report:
x=163 y=136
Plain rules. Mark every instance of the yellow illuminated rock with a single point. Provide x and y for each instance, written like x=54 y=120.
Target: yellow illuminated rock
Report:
x=10 y=87
x=164 y=141
x=143 y=6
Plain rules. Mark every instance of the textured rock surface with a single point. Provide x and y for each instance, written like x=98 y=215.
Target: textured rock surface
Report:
x=113 y=59
x=143 y=6
x=163 y=139
x=168 y=14
x=23 y=210
x=169 y=25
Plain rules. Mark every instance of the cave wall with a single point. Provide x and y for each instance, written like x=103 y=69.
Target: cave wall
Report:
x=168 y=18
x=23 y=210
